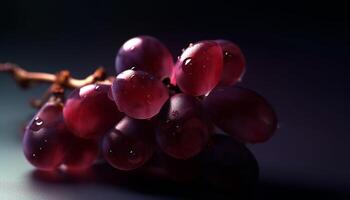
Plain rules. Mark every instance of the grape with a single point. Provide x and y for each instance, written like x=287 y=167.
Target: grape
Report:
x=80 y=153
x=130 y=144
x=138 y=94
x=228 y=165
x=89 y=112
x=234 y=63
x=199 y=68
x=43 y=144
x=242 y=113
x=183 y=131
x=147 y=54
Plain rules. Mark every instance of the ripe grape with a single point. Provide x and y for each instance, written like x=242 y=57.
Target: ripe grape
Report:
x=43 y=144
x=183 y=131
x=199 y=68
x=147 y=54
x=89 y=112
x=241 y=113
x=138 y=94
x=80 y=153
x=234 y=63
x=228 y=165
x=130 y=144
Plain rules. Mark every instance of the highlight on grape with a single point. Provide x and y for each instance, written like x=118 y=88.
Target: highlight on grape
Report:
x=155 y=115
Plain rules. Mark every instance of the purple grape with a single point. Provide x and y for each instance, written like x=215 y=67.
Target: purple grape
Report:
x=147 y=54
x=43 y=141
x=183 y=131
x=89 y=112
x=138 y=94
x=234 y=63
x=242 y=113
x=199 y=68
x=130 y=144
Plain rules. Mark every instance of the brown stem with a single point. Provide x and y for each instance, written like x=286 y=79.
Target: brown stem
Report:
x=63 y=78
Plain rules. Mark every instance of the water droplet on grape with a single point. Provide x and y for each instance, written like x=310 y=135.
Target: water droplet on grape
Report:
x=97 y=87
x=183 y=49
x=34 y=155
x=132 y=68
x=178 y=57
x=190 y=45
x=37 y=124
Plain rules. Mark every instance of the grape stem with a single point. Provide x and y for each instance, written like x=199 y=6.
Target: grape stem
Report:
x=59 y=81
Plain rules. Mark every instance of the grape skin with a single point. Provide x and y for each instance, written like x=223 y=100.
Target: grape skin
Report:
x=89 y=112
x=199 y=68
x=43 y=141
x=147 y=54
x=242 y=113
x=183 y=131
x=139 y=94
x=130 y=144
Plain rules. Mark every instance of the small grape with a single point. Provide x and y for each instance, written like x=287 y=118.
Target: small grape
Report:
x=89 y=112
x=242 y=113
x=183 y=131
x=43 y=144
x=130 y=144
x=199 y=68
x=147 y=54
x=138 y=94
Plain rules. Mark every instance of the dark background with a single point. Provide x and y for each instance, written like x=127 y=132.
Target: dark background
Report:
x=297 y=57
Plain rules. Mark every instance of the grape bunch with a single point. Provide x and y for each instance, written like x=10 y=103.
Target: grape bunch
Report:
x=159 y=116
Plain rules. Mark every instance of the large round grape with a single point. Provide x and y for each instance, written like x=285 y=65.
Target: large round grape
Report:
x=183 y=131
x=43 y=141
x=242 y=113
x=139 y=94
x=228 y=165
x=199 y=68
x=130 y=144
x=234 y=63
x=81 y=153
x=147 y=54
x=89 y=112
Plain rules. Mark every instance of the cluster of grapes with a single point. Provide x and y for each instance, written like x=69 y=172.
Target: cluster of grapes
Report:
x=157 y=115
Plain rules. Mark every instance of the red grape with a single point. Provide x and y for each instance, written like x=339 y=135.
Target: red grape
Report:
x=234 y=63
x=43 y=144
x=183 y=131
x=89 y=112
x=199 y=68
x=147 y=54
x=80 y=153
x=138 y=94
x=241 y=113
x=130 y=144
x=228 y=165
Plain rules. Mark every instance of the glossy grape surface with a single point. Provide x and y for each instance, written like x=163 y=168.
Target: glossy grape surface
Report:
x=242 y=113
x=199 y=68
x=234 y=63
x=183 y=131
x=130 y=144
x=43 y=141
x=147 y=54
x=139 y=94
x=89 y=112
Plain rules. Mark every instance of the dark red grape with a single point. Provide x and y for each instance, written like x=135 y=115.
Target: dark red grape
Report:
x=80 y=153
x=89 y=112
x=43 y=144
x=183 y=131
x=199 y=68
x=234 y=63
x=139 y=94
x=147 y=54
x=241 y=113
x=228 y=165
x=130 y=144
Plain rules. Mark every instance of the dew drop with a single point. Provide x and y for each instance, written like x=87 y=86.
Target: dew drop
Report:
x=183 y=49
x=97 y=87
x=33 y=155
x=37 y=124
x=133 y=68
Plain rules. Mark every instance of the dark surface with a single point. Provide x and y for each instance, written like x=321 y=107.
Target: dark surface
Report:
x=297 y=57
